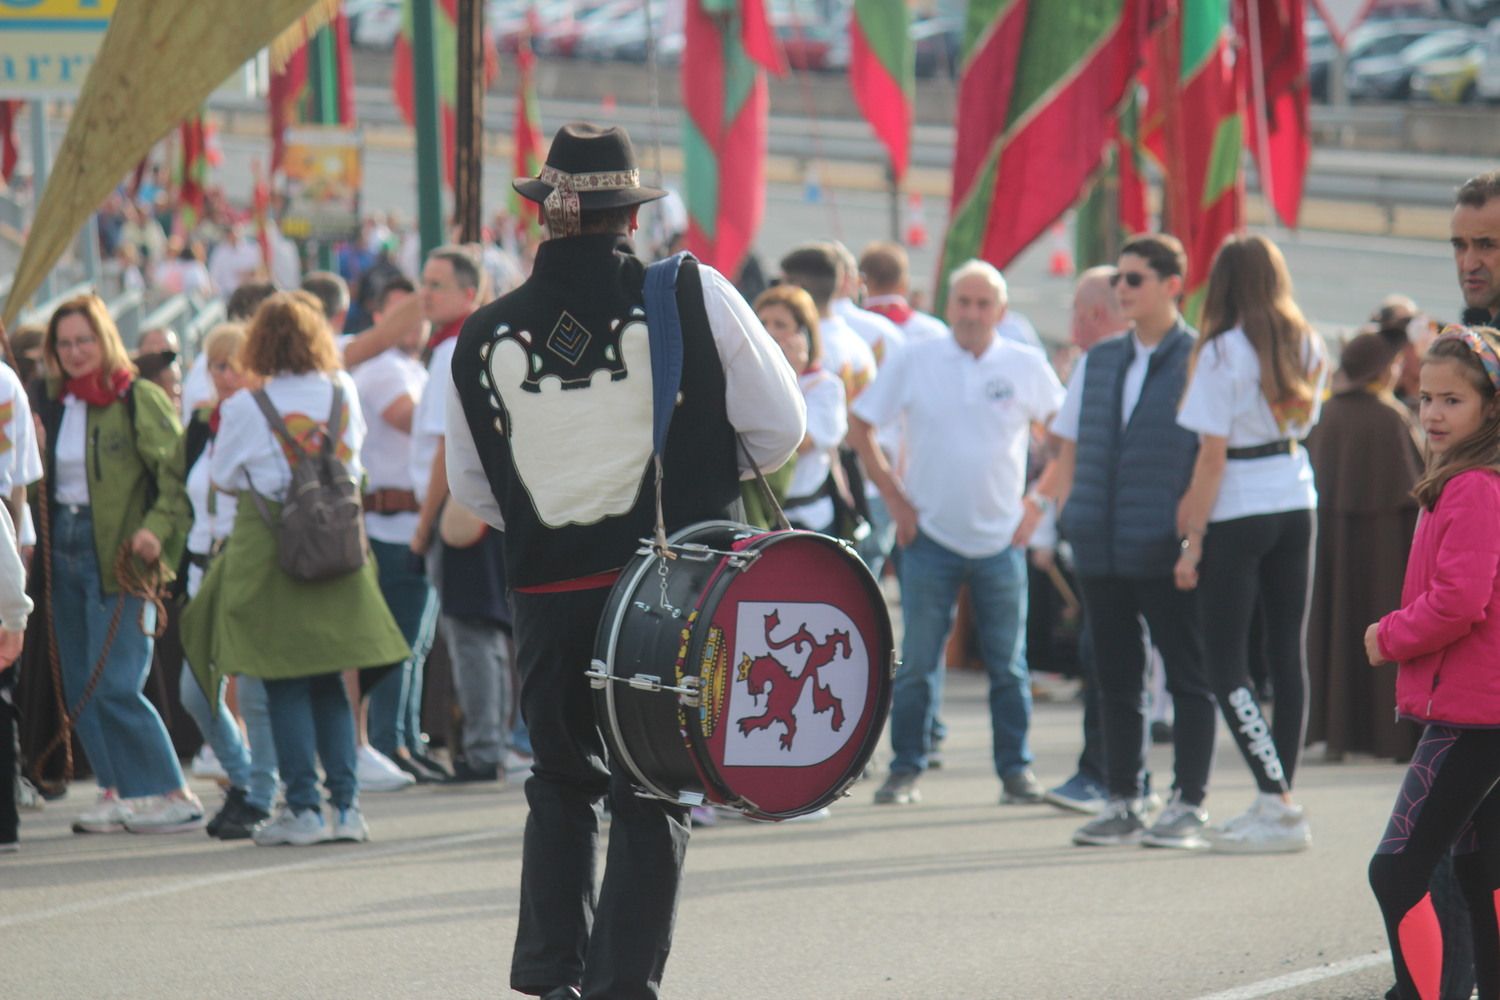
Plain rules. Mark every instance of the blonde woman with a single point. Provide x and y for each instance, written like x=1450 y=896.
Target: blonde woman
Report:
x=114 y=479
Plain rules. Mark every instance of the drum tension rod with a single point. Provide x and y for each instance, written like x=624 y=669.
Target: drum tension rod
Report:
x=688 y=694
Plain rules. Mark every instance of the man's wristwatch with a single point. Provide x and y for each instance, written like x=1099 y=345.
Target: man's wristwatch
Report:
x=1038 y=501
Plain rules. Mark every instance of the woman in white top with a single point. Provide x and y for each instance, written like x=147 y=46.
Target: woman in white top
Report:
x=1247 y=519
x=251 y=617
x=791 y=318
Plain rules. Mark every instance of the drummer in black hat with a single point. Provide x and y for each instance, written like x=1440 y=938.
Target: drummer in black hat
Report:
x=549 y=437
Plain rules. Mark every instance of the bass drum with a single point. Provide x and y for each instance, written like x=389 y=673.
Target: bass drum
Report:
x=752 y=669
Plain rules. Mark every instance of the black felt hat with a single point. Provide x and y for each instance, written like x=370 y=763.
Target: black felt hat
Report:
x=585 y=151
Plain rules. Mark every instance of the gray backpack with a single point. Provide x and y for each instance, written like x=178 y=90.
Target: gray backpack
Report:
x=320 y=533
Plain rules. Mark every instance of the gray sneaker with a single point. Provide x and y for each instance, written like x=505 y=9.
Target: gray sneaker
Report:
x=1180 y=826
x=1119 y=825
x=899 y=789
x=1021 y=788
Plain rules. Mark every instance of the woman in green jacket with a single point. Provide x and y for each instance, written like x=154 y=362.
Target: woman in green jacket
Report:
x=114 y=480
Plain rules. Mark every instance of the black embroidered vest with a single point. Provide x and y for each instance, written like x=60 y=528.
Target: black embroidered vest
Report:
x=555 y=383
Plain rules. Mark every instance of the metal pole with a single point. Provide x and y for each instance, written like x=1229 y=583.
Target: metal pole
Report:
x=92 y=266
x=894 y=187
x=429 y=137
x=41 y=164
x=467 y=190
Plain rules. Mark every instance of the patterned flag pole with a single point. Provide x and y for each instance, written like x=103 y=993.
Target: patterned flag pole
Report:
x=728 y=47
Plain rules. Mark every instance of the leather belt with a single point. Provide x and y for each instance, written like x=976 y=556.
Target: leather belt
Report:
x=1287 y=447
x=391 y=502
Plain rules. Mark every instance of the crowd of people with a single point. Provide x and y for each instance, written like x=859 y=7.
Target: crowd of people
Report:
x=1234 y=504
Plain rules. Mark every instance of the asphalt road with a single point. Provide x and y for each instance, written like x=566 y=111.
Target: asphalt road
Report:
x=955 y=897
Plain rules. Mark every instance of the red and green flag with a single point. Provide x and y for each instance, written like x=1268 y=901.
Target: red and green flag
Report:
x=1195 y=128
x=293 y=94
x=445 y=45
x=528 y=132
x=1276 y=92
x=192 y=172
x=882 y=74
x=1040 y=89
x=728 y=48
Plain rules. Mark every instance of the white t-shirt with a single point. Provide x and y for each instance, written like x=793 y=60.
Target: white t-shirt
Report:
x=882 y=336
x=968 y=422
x=197 y=388
x=761 y=401
x=208 y=527
x=71 y=455
x=20 y=460
x=232 y=264
x=827 y=423
x=918 y=326
x=381 y=381
x=1224 y=399
x=429 y=422
x=1065 y=425
x=846 y=355
x=246 y=451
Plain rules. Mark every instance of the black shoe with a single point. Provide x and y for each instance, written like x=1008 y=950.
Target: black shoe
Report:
x=464 y=772
x=233 y=799
x=425 y=775
x=429 y=762
x=1161 y=732
x=243 y=823
x=562 y=993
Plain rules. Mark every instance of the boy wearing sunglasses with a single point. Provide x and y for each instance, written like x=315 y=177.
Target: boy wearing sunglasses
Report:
x=1123 y=464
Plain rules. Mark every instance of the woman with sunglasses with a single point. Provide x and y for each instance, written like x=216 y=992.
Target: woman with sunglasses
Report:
x=1247 y=519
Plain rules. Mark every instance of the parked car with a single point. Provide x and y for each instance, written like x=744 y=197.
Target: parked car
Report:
x=1487 y=83
x=1384 y=70
x=1452 y=80
x=560 y=36
x=374 y=25
x=810 y=44
x=939 y=44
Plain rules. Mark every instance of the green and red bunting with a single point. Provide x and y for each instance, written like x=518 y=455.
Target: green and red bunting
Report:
x=728 y=47
x=1192 y=80
x=445 y=44
x=882 y=74
x=291 y=94
x=1039 y=92
x=192 y=172
x=528 y=133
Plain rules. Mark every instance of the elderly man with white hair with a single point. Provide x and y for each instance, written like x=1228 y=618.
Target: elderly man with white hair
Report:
x=969 y=403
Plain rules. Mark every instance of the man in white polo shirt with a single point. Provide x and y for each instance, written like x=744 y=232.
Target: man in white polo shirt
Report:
x=970 y=403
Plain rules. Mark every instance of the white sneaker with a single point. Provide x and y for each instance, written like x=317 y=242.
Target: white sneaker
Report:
x=816 y=816
x=1269 y=826
x=514 y=762
x=206 y=765
x=9 y=846
x=377 y=773
x=163 y=814
x=108 y=815
x=28 y=799
x=349 y=825
x=298 y=829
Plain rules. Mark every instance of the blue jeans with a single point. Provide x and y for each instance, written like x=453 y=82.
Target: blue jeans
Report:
x=876 y=547
x=123 y=736
x=930 y=578
x=394 y=705
x=311 y=720
x=251 y=767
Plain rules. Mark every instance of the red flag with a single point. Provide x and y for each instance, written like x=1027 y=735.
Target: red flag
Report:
x=290 y=93
x=1276 y=94
x=10 y=155
x=261 y=209
x=194 y=169
x=528 y=136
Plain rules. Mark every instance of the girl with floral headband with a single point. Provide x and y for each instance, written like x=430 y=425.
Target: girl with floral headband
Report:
x=1446 y=638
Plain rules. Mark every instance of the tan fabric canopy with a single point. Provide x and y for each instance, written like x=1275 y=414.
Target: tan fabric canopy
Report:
x=159 y=61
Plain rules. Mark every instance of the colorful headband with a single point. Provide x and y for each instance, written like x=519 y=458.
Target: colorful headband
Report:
x=1481 y=347
x=563 y=207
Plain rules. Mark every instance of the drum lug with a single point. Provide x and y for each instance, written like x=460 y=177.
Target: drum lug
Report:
x=895 y=664
x=599 y=676
x=688 y=694
x=686 y=798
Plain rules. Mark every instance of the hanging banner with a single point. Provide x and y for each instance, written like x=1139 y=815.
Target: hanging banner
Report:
x=1342 y=17
x=323 y=170
x=48 y=46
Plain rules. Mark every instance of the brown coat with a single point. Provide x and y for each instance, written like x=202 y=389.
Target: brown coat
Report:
x=1366 y=460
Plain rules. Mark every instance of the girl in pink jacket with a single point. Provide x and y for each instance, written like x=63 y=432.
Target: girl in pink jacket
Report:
x=1446 y=638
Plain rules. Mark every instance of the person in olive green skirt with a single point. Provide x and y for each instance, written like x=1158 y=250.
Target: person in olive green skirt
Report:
x=251 y=616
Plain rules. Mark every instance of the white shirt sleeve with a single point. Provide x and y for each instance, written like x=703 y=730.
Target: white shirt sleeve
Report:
x=761 y=396
x=1208 y=406
x=15 y=606
x=232 y=445
x=1065 y=424
x=1047 y=393
x=466 y=477
x=884 y=399
x=381 y=383
x=827 y=416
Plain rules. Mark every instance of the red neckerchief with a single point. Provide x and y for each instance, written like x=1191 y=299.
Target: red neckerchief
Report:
x=897 y=312
x=95 y=391
x=213 y=419
x=446 y=333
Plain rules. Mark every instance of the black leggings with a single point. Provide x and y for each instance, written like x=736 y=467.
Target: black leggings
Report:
x=1266 y=557
x=1450 y=801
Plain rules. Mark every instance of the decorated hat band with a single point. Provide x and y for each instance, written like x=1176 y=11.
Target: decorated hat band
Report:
x=562 y=206
x=1481 y=347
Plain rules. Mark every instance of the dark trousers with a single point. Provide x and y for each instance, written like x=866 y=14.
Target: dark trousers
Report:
x=1266 y=557
x=614 y=943
x=1115 y=607
x=9 y=818
x=1449 y=802
x=1091 y=759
